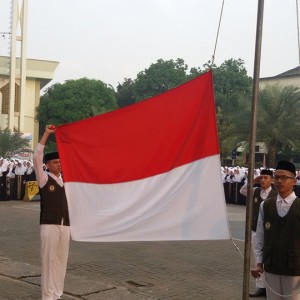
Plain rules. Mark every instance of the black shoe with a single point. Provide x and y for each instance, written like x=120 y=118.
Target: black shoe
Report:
x=259 y=293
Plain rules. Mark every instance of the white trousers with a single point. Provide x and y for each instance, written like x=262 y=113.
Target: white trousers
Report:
x=55 y=240
x=282 y=287
x=259 y=282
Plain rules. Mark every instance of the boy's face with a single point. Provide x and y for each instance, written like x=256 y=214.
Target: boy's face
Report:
x=54 y=166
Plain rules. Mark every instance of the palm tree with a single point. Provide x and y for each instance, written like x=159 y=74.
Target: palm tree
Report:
x=278 y=119
x=11 y=143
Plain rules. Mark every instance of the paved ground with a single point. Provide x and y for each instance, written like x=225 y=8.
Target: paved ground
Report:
x=122 y=271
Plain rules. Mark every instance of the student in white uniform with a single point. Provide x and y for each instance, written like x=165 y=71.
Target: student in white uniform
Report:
x=265 y=179
x=278 y=237
x=54 y=221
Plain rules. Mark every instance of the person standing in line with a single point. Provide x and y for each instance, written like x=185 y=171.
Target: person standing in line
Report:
x=3 y=172
x=54 y=220
x=278 y=237
x=265 y=180
x=20 y=172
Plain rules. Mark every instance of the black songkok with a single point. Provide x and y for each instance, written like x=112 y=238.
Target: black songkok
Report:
x=50 y=156
x=287 y=166
x=266 y=172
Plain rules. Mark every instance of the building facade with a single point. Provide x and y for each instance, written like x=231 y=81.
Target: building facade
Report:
x=290 y=77
x=38 y=74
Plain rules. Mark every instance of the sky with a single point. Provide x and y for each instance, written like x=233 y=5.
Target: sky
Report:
x=111 y=40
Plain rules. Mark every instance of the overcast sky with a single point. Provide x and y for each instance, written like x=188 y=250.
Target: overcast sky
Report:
x=111 y=40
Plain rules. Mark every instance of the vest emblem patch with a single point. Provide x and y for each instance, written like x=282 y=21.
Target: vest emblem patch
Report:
x=255 y=200
x=51 y=188
x=267 y=225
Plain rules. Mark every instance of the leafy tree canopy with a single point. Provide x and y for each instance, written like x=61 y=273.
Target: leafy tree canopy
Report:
x=73 y=101
x=159 y=77
x=125 y=93
x=231 y=77
x=233 y=89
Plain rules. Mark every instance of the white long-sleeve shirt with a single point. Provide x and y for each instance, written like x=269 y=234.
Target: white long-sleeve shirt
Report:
x=283 y=207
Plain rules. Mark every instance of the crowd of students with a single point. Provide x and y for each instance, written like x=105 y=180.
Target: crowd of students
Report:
x=14 y=174
x=234 y=178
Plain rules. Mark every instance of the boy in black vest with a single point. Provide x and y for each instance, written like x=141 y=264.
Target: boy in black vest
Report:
x=278 y=237
x=265 y=181
x=54 y=221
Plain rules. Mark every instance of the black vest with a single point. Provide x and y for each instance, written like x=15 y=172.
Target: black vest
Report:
x=281 y=253
x=54 y=206
x=257 y=200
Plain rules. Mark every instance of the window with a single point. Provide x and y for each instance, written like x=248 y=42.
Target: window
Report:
x=5 y=98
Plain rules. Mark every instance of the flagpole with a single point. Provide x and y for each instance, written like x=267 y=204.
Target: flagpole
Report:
x=251 y=165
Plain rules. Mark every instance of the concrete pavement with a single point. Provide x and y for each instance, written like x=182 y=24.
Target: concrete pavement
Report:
x=122 y=271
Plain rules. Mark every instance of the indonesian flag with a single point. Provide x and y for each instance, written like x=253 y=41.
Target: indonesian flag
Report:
x=147 y=172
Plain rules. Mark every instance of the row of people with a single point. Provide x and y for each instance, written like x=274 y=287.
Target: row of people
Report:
x=14 y=174
x=234 y=178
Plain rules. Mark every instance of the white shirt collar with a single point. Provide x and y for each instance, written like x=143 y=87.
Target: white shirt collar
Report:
x=289 y=199
x=57 y=179
x=267 y=191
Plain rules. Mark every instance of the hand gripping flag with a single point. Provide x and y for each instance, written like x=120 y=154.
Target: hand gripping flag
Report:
x=149 y=171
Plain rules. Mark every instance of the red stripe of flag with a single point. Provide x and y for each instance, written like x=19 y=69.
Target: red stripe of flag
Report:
x=148 y=138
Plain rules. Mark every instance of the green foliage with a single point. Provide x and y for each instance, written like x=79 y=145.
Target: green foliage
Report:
x=231 y=77
x=232 y=88
x=125 y=93
x=72 y=101
x=11 y=143
x=278 y=115
x=160 y=77
x=75 y=100
x=278 y=119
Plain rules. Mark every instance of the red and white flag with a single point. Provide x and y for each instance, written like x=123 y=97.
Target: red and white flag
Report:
x=149 y=171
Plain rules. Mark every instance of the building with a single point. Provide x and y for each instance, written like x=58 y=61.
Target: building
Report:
x=38 y=74
x=290 y=77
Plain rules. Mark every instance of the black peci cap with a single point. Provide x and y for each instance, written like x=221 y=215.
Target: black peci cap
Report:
x=287 y=166
x=50 y=156
x=266 y=172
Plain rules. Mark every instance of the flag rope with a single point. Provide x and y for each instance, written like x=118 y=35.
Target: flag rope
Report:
x=220 y=19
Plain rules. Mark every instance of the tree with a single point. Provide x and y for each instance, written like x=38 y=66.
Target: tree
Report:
x=160 y=77
x=231 y=77
x=278 y=114
x=75 y=100
x=234 y=124
x=278 y=119
x=125 y=93
x=232 y=88
x=11 y=143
